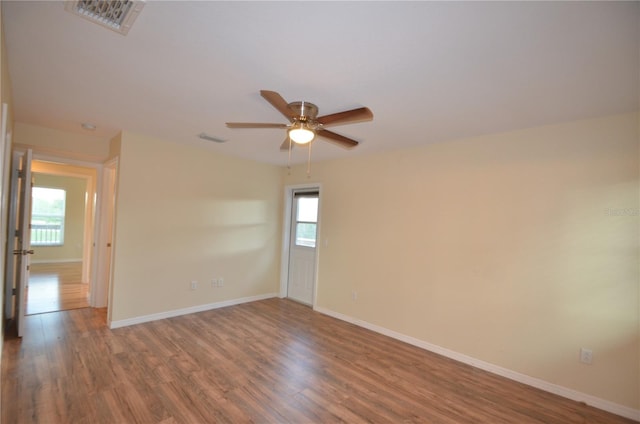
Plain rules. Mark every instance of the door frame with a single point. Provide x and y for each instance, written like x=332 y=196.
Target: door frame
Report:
x=289 y=192
x=104 y=246
x=93 y=254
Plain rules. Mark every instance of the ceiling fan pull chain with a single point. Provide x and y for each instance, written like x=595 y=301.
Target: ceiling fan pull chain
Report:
x=289 y=161
x=309 y=162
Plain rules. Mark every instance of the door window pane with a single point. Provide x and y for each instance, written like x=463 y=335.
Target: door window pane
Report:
x=307 y=209
x=306 y=220
x=305 y=234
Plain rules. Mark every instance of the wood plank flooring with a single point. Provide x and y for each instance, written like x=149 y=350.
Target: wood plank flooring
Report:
x=272 y=361
x=56 y=287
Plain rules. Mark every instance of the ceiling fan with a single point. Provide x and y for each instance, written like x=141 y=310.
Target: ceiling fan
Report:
x=304 y=124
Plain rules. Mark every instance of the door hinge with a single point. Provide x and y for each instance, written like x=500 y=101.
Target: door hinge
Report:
x=13 y=292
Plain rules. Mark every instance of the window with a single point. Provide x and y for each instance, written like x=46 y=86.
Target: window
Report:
x=306 y=220
x=47 y=216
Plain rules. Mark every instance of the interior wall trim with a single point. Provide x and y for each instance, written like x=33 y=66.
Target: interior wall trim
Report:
x=55 y=261
x=565 y=392
x=190 y=310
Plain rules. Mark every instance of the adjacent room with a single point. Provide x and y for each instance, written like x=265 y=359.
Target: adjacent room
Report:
x=320 y=212
x=57 y=227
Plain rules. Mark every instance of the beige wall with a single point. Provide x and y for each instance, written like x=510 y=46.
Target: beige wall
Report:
x=186 y=214
x=71 y=250
x=47 y=141
x=516 y=249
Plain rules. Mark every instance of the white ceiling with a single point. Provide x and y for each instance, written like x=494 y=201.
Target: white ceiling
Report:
x=429 y=71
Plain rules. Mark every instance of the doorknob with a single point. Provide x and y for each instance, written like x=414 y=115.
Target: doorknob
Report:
x=23 y=252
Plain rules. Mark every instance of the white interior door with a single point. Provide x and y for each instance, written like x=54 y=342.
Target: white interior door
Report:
x=5 y=247
x=302 y=247
x=20 y=233
x=12 y=239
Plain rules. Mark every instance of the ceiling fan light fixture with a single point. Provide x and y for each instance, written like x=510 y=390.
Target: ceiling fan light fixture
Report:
x=304 y=123
x=300 y=133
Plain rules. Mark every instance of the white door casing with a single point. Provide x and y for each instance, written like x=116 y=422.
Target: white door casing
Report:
x=100 y=296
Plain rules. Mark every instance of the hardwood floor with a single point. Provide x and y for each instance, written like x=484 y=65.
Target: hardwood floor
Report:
x=272 y=361
x=56 y=287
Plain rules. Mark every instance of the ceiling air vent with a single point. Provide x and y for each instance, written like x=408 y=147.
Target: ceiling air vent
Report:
x=117 y=15
x=206 y=136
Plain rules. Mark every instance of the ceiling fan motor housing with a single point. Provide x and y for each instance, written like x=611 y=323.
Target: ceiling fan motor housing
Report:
x=304 y=110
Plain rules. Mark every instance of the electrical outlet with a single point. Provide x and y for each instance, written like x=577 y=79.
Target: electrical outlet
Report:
x=354 y=295
x=220 y=282
x=586 y=356
x=194 y=285
x=214 y=283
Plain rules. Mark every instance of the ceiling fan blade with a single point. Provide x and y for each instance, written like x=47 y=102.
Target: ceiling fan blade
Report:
x=278 y=102
x=285 y=144
x=346 y=117
x=338 y=139
x=254 y=125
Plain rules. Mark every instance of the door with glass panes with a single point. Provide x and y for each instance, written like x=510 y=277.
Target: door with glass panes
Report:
x=302 y=247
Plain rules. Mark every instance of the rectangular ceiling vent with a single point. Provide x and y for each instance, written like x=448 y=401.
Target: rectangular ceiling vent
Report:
x=206 y=136
x=117 y=15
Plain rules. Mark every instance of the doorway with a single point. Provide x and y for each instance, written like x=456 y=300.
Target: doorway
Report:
x=302 y=223
x=89 y=260
x=61 y=234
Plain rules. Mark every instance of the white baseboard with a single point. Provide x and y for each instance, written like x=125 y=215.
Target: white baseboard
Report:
x=54 y=261
x=189 y=310
x=596 y=402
